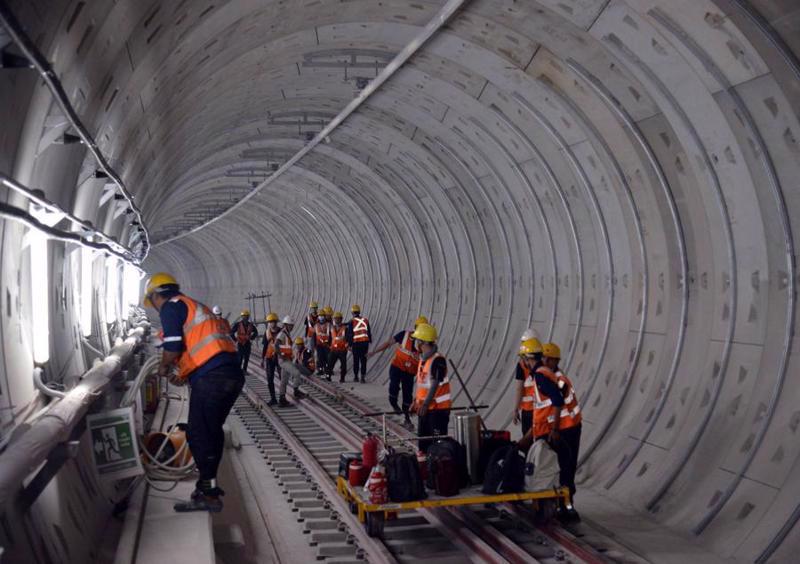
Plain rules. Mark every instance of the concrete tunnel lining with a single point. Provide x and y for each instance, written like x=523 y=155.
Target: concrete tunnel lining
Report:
x=615 y=174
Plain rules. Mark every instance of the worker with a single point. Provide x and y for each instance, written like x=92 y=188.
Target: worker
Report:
x=285 y=357
x=556 y=419
x=338 y=351
x=432 y=402
x=244 y=332
x=303 y=356
x=312 y=318
x=205 y=355
x=523 y=404
x=359 y=337
x=403 y=369
x=269 y=354
x=322 y=340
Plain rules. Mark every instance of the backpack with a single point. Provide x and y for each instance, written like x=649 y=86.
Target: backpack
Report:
x=446 y=477
x=448 y=448
x=541 y=467
x=489 y=445
x=505 y=472
x=403 y=477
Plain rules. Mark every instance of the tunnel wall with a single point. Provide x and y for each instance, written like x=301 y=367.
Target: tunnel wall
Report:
x=620 y=176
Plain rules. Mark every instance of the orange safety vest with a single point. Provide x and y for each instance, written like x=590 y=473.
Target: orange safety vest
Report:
x=311 y=322
x=272 y=339
x=339 y=338
x=528 y=393
x=285 y=345
x=406 y=358
x=441 y=400
x=323 y=334
x=204 y=336
x=243 y=332
x=544 y=413
x=360 y=329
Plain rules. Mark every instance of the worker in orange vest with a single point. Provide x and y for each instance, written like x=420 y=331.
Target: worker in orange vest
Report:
x=285 y=359
x=269 y=355
x=403 y=369
x=311 y=319
x=432 y=402
x=359 y=336
x=198 y=343
x=523 y=405
x=303 y=356
x=244 y=333
x=338 y=352
x=556 y=418
x=322 y=340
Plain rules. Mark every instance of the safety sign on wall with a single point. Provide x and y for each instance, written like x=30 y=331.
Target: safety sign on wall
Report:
x=114 y=446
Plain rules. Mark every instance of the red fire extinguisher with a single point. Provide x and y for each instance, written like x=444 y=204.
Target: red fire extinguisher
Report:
x=376 y=485
x=369 y=451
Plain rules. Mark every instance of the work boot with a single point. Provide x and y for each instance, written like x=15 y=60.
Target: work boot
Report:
x=363 y=379
x=282 y=402
x=198 y=493
x=341 y=379
x=572 y=515
x=200 y=502
x=272 y=401
x=408 y=424
x=298 y=395
x=328 y=377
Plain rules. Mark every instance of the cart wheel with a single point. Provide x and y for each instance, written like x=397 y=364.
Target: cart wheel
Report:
x=353 y=508
x=374 y=524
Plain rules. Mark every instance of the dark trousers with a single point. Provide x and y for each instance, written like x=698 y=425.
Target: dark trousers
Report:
x=244 y=356
x=272 y=367
x=341 y=358
x=322 y=359
x=526 y=420
x=566 y=448
x=435 y=422
x=212 y=397
x=399 y=379
x=360 y=358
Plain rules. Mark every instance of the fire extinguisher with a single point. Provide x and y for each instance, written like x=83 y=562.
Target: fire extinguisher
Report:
x=369 y=451
x=376 y=485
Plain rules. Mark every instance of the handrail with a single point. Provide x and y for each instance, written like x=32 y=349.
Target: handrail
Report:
x=33 y=447
x=32 y=53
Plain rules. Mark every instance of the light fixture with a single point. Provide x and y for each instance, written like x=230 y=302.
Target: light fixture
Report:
x=87 y=261
x=112 y=288
x=40 y=306
x=131 y=282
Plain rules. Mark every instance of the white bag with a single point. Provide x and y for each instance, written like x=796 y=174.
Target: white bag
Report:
x=541 y=467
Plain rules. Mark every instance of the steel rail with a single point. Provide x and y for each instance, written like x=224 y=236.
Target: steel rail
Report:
x=42 y=66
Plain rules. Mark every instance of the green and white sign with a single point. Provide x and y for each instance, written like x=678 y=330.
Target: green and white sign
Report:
x=114 y=445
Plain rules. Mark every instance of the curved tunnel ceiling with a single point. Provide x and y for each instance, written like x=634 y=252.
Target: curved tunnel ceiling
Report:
x=620 y=176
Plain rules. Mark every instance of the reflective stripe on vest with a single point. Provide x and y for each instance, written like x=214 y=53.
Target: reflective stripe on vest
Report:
x=243 y=332
x=272 y=340
x=441 y=399
x=204 y=335
x=285 y=345
x=360 y=330
x=528 y=393
x=339 y=338
x=323 y=334
x=544 y=413
x=405 y=357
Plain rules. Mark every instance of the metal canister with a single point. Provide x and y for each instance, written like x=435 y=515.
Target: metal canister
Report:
x=468 y=433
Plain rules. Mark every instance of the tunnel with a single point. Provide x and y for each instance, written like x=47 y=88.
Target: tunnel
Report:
x=620 y=176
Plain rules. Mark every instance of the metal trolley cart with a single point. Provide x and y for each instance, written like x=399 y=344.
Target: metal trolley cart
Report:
x=373 y=515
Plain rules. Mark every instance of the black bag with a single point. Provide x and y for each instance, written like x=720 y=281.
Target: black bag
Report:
x=345 y=459
x=489 y=445
x=506 y=471
x=403 y=477
x=448 y=448
x=446 y=477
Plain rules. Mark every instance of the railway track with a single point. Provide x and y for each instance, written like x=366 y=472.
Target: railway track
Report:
x=302 y=443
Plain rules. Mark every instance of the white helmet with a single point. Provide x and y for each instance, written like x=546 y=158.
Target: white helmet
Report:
x=216 y=310
x=287 y=320
x=529 y=334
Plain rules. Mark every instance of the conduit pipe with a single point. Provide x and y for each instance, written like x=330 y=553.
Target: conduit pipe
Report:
x=54 y=427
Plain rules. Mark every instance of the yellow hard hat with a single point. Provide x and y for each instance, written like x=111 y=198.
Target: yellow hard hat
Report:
x=356 y=308
x=245 y=312
x=531 y=346
x=338 y=315
x=155 y=284
x=551 y=350
x=299 y=341
x=272 y=316
x=313 y=305
x=425 y=332
x=420 y=320
x=327 y=310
